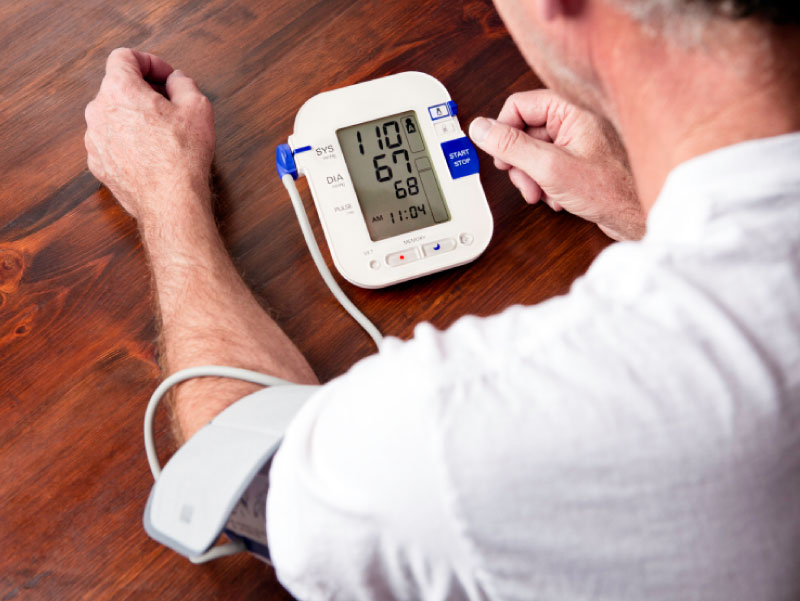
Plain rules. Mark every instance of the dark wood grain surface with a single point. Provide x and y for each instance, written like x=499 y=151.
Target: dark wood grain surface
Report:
x=77 y=331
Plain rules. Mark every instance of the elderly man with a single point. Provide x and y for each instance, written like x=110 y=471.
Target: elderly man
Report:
x=636 y=439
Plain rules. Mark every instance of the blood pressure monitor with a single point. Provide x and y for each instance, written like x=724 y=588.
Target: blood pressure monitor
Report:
x=394 y=179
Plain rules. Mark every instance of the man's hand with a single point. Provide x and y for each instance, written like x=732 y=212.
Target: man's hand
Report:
x=568 y=157
x=147 y=148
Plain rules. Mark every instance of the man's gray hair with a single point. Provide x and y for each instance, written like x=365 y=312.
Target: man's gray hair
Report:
x=779 y=12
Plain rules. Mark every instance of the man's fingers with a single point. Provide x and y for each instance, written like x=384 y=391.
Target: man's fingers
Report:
x=180 y=88
x=514 y=147
x=122 y=59
x=553 y=204
x=540 y=133
x=92 y=156
x=529 y=109
x=143 y=65
x=154 y=69
x=530 y=190
x=90 y=111
x=159 y=87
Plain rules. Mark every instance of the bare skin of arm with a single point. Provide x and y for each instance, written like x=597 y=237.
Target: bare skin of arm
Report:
x=154 y=154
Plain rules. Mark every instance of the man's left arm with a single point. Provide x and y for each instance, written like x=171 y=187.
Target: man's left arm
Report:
x=154 y=153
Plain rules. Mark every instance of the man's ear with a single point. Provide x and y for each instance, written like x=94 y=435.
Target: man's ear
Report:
x=550 y=9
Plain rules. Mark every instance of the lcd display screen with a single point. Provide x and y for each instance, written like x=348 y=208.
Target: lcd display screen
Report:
x=393 y=176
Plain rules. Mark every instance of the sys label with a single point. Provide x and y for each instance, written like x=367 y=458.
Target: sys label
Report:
x=325 y=152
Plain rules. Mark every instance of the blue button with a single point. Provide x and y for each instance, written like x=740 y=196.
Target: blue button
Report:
x=461 y=156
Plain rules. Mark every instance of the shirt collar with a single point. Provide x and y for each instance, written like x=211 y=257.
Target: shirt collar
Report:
x=707 y=186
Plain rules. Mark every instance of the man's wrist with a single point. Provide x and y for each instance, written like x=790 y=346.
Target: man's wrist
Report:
x=184 y=204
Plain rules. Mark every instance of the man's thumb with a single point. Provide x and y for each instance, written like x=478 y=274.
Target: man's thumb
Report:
x=181 y=88
x=509 y=144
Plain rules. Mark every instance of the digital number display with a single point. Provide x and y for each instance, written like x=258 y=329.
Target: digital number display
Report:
x=393 y=175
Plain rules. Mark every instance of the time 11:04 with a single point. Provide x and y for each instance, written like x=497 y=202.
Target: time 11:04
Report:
x=411 y=212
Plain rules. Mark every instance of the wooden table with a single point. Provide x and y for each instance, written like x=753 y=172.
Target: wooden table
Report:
x=77 y=332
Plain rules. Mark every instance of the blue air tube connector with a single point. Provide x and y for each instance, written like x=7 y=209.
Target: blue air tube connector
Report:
x=284 y=161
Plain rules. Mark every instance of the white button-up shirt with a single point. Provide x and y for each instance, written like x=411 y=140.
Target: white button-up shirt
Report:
x=637 y=439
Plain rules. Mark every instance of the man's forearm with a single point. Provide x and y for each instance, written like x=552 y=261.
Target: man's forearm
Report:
x=208 y=315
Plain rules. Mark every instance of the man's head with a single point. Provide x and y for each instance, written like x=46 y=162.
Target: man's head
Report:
x=565 y=40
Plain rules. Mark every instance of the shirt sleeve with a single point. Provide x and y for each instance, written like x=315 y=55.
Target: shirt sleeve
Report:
x=359 y=506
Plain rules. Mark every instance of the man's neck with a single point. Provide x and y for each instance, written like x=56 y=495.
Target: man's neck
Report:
x=673 y=102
